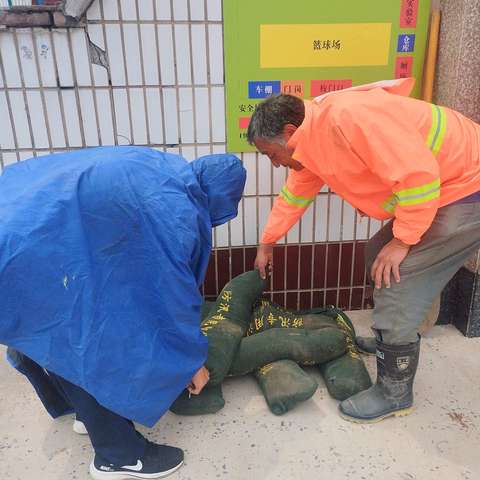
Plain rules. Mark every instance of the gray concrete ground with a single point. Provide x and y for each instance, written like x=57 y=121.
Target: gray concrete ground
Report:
x=439 y=440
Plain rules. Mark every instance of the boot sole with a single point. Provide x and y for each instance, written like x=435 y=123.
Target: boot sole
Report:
x=100 y=475
x=399 y=413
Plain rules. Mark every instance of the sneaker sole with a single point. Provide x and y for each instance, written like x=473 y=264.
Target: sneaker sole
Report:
x=100 y=475
x=399 y=413
x=79 y=428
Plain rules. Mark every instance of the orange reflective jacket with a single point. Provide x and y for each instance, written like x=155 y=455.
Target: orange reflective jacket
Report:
x=388 y=155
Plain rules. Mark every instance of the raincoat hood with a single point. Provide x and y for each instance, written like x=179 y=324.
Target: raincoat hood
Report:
x=222 y=178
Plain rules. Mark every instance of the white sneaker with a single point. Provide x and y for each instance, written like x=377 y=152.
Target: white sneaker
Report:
x=79 y=427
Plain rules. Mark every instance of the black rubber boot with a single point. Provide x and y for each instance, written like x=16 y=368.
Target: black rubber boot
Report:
x=367 y=345
x=392 y=395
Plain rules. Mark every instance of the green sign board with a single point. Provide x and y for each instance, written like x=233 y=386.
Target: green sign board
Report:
x=311 y=47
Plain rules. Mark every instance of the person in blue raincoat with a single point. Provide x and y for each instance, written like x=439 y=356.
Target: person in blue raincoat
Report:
x=102 y=254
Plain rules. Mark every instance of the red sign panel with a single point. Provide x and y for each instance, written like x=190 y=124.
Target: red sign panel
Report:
x=243 y=122
x=408 y=14
x=319 y=87
x=403 y=67
x=293 y=87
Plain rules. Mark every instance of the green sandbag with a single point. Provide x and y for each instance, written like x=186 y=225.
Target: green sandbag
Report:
x=267 y=315
x=347 y=375
x=206 y=308
x=228 y=321
x=344 y=376
x=284 y=385
x=210 y=400
x=306 y=347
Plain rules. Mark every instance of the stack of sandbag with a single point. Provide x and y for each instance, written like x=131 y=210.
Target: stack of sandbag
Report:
x=249 y=335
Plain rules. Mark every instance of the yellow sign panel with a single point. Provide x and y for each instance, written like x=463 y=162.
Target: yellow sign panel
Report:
x=324 y=45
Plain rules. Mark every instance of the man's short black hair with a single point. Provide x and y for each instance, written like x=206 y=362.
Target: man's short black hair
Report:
x=271 y=116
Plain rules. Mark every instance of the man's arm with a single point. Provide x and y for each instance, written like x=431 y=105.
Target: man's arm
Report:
x=292 y=202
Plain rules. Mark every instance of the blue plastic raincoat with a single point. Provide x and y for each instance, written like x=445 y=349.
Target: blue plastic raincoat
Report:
x=102 y=253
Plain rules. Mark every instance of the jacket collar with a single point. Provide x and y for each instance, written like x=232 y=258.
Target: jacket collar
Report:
x=296 y=140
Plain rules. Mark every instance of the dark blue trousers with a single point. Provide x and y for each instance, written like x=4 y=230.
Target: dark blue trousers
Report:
x=113 y=437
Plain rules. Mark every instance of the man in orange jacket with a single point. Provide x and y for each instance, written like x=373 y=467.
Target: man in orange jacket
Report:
x=391 y=157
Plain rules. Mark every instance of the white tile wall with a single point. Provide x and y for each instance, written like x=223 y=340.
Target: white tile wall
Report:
x=45 y=60
x=202 y=120
x=163 y=9
x=81 y=62
x=236 y=228
x=170 y=114
x=139 y=122
x=321 y=203
x=115 y=54
x=164 y=87
x=6 y=132
x=54 y=117
x=9 y=158
x=154 y=112
x=199 y=54
x=128 y=9
x=150 y=54
x=2 y=84
x=37 y=118
x=250 y=217
x=145 y=10
x=9 y=60
x=89 y=120
x=110 y=9
x=27 y=58
x=20 y=120
x=221 y=236
x=26 y=154
x=182 y=56
x=106 y=117
x=122 y=116
x=218 y=114
x=264 y=177
x=186 y=115
x=180 y=9
x=306 y=227
x=132 y=54
x=214 y=8
x=249 y=162
x=215 y=40
x=72 y=119
x=197 y=10
x=165 y=52
x=93 y=13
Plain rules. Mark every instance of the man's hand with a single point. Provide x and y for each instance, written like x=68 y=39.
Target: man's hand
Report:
x=199 y=380
x=388 y=262
x=264 y=260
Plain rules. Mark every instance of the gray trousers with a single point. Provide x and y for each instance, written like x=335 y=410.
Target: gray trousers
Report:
x=451 y=239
